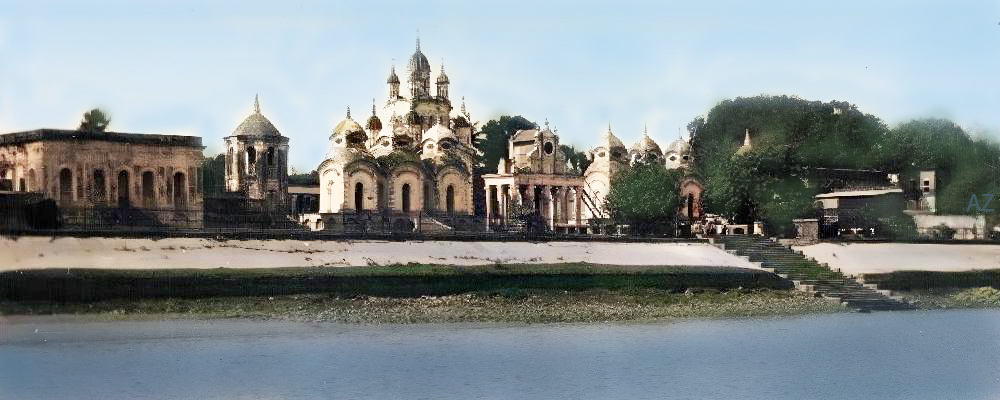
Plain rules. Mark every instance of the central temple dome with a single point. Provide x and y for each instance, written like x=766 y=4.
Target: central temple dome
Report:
x=418 y=62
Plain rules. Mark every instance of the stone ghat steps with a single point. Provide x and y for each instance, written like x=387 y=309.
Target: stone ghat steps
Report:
x=810 y=276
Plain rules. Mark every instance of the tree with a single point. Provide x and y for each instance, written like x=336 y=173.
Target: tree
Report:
x=645 y=198
x=311 y=178
x=94 y=121
x=213 y=174
x=578 y=160
x=494 y=137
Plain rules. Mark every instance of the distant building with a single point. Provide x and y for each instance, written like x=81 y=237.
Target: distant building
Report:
x=409 y=166
x=109 y=178
x=536 y=175
x=609 y=159
x=257 y=160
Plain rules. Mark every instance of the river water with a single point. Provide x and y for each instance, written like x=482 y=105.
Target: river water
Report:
x=887 y=355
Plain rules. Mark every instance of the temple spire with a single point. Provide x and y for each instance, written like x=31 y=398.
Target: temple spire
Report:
x=348 y=112
x=746 y=139
x=256 y=105
x=373 y=106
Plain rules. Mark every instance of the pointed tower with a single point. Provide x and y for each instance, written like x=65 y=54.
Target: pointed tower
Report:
x=747 y=146
x=442 y=84
x=419 y=70
x=393 y=82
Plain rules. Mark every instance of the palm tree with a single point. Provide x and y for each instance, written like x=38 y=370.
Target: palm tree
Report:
x=94 y=121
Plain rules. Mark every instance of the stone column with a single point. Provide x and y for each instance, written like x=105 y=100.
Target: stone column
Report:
x=503 y=203
x=529 y=197
x=578 y=192
x=489 y=205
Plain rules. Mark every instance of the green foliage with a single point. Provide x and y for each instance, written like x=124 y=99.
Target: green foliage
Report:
x=578 y=160
x=645 y=198
x=311 y=178
x=889 y=223
x=762 y=185
x=213 y=174
x=494 y=137
x=964 y=166
x=94 y=121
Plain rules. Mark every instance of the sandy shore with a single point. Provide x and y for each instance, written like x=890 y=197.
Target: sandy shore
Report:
x=65 y=252
x=859 y=258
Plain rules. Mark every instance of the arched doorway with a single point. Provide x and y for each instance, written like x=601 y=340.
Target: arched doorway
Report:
x=65 y=187
x=449 y=199
x=99 y=186
x=123 y=189
x=406 y=197
x=359 y=196
x=148 y=192
x=690 y=211
x=180 y=195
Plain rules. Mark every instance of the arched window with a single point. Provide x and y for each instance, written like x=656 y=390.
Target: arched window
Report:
x=449 y=199
x=406 y=197
x=180 y=192
x=100 y=186
x=31 y=180
x=251 y=159
x=23 y=187
x=359 y=196
x=690 y=211
x=270 y=156
x=65 y=187
x=123 y=189
x=380 y=193
x=148 y=190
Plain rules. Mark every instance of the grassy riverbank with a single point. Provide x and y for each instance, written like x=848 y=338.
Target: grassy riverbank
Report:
x=409 y=280
x=509 y=305
x=938 y=298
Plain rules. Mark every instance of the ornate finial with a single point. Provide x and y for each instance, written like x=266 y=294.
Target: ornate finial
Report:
x=645 y=129
x=546 y=124
x=256 y=104
x=348 y=112
x=609 y=126
x=463 y=105
x=555 y=130
x=418 y=39
x=373 y=106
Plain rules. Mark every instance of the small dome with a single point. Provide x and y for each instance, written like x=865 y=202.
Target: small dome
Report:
x=256 y=124
x=392 y=76
x=374 y=123
x=679 y=146
x=610 y=141
x=439 y=132
x=418 y=62
x=350 y=129
x=442 y=78
x=646 y=145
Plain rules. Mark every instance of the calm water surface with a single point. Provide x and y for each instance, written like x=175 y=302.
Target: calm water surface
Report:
x=901 y=355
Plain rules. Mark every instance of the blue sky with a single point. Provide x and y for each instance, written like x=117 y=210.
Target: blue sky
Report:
x=193 y=68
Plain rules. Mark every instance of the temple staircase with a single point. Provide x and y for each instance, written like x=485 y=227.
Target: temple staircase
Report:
x=810 y=276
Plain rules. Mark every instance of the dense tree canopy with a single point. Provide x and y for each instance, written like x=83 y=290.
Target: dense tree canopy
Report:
x=213 y=174
x=94 y=121
x=578 y=160
x=791 y=135
x=645 y=198
x=493 y=139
